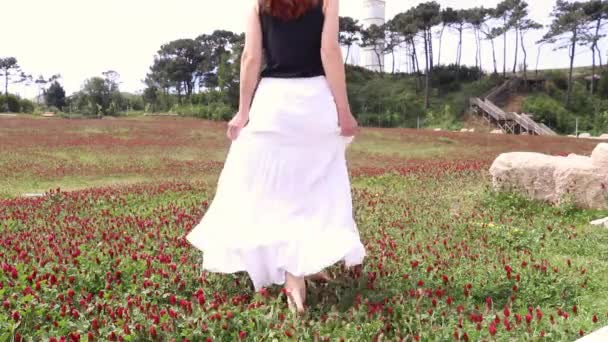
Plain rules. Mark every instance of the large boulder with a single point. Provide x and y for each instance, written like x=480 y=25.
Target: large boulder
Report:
x=601 y=222
x=582 y=180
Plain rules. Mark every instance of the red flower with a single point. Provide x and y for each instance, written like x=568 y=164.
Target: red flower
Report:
x=528 y=318
x=16 y=316
x=595 y=319
x=507 y=324
x=492 y=329
x=153 y=331
x=489 y=303
x=539 y=314
x=242 y=335
x=201 y=299
x=53 y=279
x=172 y=299
x=506 y=312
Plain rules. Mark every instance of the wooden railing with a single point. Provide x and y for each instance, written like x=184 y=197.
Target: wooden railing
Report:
x=489 y=107
x=530 y=125
x=508 y=120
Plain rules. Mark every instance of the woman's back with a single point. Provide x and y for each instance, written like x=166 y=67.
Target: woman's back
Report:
x=292 y=47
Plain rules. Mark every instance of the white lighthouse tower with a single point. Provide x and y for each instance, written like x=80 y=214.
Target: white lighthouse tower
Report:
x=374 y=13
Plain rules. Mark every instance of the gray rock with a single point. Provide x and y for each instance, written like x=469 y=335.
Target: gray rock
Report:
x=600 y=222
x=553 y=179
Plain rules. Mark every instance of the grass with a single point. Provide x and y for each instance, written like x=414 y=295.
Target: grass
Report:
x=446 y=254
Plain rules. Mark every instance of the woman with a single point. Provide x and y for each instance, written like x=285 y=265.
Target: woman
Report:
x=283 y=206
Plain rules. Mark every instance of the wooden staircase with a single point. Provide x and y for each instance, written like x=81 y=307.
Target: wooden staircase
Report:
x=510 y=123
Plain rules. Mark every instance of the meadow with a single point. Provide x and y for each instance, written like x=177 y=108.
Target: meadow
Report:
x=103 y=256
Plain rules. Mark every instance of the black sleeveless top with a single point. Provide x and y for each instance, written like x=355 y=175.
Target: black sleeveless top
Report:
x=292 y=48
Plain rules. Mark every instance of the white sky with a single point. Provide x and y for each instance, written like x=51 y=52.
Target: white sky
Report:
x=82 y=38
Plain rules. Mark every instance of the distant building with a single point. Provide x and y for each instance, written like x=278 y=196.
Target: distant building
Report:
x=373 y=13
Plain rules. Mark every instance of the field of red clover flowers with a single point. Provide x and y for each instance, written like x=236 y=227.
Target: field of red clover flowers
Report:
x=103 y=256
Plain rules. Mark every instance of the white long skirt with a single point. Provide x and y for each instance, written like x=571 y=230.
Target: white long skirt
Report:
x=283 y=201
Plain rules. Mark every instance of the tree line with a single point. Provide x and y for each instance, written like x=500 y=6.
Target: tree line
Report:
x=200 y=76
x=413 y=32
x=100 y=95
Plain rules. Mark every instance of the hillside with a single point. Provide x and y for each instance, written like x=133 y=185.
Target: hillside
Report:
x=387 y=100
x=397 y=100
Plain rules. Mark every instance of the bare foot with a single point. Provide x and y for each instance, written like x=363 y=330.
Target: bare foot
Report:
x=294 y=301
x=296 y=292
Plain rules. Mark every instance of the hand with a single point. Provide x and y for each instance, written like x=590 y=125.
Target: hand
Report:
x=348 y=125
x=236 y=125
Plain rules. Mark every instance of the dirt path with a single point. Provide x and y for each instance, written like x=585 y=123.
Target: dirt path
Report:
x=515 y=104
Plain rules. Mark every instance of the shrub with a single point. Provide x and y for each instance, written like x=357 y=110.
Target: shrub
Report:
x=214 y=111
x=549 y=111
x=602 y=88
x=558 y=78
x=10 y=103
x=449 y=77
x=26 y=106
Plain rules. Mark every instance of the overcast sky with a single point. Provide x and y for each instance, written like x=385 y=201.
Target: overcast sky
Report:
x=82 y=38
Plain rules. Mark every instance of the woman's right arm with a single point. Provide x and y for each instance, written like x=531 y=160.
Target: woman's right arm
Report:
x=331 y=55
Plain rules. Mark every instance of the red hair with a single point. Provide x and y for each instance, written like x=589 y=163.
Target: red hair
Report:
x=287 y=9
